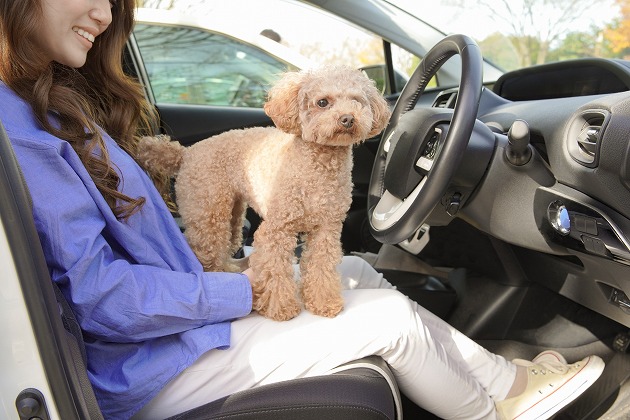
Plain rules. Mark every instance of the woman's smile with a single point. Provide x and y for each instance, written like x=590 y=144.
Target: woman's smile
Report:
x=84 y=34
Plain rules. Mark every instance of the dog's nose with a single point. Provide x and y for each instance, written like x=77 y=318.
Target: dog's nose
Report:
x=346 y=120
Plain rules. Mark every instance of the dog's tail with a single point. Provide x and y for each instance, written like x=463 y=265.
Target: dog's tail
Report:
x=160 y=154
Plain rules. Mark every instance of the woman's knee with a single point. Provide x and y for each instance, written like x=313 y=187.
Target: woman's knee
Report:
x=357 y=273
x=384 y=307
x=353 y=263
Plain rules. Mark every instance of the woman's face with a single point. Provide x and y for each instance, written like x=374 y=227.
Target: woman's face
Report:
x=69 y=28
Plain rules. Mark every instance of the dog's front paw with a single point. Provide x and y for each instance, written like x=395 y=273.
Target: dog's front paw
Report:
x=328 y=306
x=284 y=312
x=271 y=304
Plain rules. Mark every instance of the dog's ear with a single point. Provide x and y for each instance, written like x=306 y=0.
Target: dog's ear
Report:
x=282 y=104
x=380 y=108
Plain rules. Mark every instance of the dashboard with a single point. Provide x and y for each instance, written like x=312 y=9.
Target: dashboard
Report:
x=565 y=79
x=567 y=209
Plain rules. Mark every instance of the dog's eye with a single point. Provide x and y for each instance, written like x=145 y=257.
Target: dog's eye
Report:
x=322 y=103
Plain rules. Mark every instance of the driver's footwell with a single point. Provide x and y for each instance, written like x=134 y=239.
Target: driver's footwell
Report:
x=598 y=400
x=527 y=320
x=517 y=319
x=547 y=320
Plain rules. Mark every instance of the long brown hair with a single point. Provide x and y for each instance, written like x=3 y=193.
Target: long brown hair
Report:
x=97 y=94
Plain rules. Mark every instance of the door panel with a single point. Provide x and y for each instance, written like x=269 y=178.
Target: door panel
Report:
x=191 y=123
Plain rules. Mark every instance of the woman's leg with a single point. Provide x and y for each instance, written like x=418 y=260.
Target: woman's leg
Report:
x=437 y=367
x=487 y=368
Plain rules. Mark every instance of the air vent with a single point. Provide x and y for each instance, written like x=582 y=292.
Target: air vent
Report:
x=588 y=139
x=584 y=136
x=446 y=99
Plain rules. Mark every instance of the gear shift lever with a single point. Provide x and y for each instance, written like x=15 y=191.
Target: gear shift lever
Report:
x=517 y=151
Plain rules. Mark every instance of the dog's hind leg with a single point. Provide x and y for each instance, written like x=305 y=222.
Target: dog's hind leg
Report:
x=274 y=288
x=206 y=218
x=321 y=283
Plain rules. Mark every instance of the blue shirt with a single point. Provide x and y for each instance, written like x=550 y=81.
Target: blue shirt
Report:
x=146 y=307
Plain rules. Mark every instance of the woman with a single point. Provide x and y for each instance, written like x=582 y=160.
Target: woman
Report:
x=162 y=336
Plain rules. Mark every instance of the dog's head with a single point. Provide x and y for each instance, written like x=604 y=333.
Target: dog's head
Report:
x=332 y=105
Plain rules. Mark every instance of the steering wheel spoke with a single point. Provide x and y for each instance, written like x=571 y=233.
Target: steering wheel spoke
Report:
x=390 y=208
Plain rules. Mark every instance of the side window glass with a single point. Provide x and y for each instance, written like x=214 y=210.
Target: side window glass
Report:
x=342 y=43
x=192 y=66
x=405 y=64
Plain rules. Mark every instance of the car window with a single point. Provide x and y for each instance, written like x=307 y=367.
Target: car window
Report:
x=195 y=66
x=328 y=39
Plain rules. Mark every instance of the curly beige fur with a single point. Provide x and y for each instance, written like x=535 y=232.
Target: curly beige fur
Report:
x=297 y=177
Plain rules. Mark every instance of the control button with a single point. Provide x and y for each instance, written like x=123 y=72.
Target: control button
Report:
x=594 y=245
x=28 y=407
x=585 y=224
x=559 y=217
x=424 y=163
x=454 y=202
x=620 y=299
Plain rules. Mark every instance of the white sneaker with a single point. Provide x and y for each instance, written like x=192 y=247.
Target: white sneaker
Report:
x=551 y=385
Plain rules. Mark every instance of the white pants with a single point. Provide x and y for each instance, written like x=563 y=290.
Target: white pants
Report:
x=436 y=366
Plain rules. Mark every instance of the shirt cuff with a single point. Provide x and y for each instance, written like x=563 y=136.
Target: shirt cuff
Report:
x=229 y=296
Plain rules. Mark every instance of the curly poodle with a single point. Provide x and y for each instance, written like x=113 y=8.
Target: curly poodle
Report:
x=297 y=177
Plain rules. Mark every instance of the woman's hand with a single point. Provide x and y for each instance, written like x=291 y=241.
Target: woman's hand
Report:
x=250 y=275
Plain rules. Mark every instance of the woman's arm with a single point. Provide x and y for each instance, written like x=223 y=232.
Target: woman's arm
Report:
x=127 y=281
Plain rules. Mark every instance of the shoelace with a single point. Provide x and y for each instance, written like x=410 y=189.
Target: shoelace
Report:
x=543 y=367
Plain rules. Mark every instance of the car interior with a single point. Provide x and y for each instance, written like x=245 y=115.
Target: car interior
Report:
x=490 y=251
x=507 y=214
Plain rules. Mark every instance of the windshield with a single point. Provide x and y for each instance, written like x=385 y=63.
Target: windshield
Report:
x=519 y=33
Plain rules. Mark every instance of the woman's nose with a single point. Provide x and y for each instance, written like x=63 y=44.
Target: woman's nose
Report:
x=101 y=12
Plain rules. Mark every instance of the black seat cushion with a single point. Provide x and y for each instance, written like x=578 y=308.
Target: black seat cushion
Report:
x=359 y=393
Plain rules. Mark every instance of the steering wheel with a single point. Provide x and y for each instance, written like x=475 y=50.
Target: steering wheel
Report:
x=421 y=149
